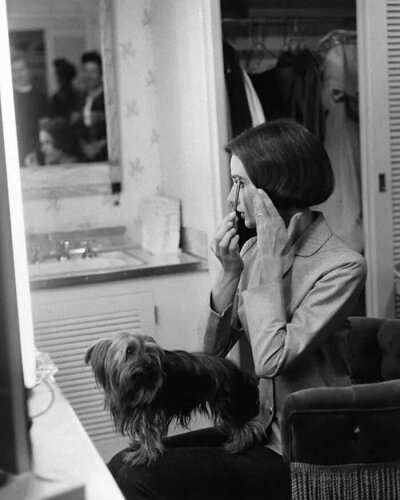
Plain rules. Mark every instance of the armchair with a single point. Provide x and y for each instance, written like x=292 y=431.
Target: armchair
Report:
x=344 y=443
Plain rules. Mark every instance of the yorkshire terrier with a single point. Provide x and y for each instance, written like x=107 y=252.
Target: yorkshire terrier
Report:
x=146 y=387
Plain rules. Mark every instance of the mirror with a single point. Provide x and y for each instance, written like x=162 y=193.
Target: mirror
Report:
x=65 y=97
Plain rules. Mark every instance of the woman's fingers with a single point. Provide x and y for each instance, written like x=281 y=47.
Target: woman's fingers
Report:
x=259 y=207
x=224 y=234
x=225 y=242
x=234 y=246
x=264 y=204
x=292 y=230
x=226 y=224
x=293 y=224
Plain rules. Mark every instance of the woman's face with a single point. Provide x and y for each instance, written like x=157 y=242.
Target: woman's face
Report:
x=20 y=73
x=91 y=74
x=51 y=153
x=245 y=206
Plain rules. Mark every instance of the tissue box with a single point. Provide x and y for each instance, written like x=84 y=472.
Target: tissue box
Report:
x=160 y=224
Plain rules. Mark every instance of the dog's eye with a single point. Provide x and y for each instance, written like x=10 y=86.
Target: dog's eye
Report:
x=129 y=351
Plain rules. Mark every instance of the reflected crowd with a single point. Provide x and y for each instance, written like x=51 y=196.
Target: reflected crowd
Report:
x=68 y=126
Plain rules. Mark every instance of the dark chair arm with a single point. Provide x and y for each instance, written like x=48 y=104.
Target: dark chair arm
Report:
x=355 y=424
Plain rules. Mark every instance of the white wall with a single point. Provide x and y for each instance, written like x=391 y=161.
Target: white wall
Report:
x=189 y=115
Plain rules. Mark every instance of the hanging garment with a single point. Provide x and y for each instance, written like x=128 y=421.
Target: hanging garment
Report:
x=270 y=87
x=305 y=92
x=343 y=209
x=292 y=89
x=240 y=116
x=239 y=111
x=256 y=110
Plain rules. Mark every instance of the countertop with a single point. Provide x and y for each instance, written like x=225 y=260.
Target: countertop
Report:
x=118 y=260
x=152 y=265
x=65 y=463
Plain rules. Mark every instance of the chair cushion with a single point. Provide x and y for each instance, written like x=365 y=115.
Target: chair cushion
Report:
x=332 y=425
x=364 y=354
x=389 y=343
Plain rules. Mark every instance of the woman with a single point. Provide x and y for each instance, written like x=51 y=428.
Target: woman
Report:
x=58 y=144
x=68 y=99
x=289 y=291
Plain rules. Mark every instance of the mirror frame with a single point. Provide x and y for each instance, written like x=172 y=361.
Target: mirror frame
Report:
x=86 y=179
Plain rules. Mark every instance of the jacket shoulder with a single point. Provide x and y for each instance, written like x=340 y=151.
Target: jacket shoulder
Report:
x=342 y=254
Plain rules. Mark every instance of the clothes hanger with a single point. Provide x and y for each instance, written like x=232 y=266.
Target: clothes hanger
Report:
x=336 y=37
x=260 y=43
x=259 y=50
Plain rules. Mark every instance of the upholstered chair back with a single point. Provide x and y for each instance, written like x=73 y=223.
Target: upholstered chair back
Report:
x=373 y=347
x=344 y=442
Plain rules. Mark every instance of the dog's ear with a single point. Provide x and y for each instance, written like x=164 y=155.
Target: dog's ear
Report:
x=95 y=356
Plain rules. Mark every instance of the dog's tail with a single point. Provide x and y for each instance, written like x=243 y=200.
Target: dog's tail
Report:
x=250 y=434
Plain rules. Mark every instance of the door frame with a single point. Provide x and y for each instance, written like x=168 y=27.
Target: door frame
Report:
x=375 y=155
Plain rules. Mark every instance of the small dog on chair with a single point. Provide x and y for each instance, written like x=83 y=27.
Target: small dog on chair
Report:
x=146 y=387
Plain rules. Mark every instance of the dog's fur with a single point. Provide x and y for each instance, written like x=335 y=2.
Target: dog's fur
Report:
x=146 y=387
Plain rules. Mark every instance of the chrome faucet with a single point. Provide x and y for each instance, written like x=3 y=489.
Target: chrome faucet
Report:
x=36 y=255
x=65 y=250
x=86 y=250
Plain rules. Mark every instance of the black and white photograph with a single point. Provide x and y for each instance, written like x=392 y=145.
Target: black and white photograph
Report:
x=200 y=250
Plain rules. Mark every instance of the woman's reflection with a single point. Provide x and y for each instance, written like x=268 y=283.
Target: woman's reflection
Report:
x=58 y=144
x=90 y=121
x=68 y=98
x=30 y=105
x=71 y=126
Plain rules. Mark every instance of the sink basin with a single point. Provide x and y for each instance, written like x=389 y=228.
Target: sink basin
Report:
x=104 y=260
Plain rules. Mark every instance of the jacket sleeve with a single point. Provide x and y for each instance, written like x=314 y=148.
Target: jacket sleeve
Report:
x=220 y=332
x=277 y=341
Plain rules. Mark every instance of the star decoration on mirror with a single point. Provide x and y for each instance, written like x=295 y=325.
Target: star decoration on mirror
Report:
x=146 y=19
x=155 y=138
x=135 y=167
x=127 y=50
x=151 y=78
x=132 y=108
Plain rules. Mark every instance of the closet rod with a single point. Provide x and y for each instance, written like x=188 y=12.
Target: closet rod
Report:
x=284 y=20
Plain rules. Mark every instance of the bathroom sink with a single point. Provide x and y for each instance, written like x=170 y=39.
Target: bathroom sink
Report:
x=104 y=260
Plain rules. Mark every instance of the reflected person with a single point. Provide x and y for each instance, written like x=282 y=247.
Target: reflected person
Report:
x=58 y=144
x=90 y=121
x=68 y=99
x=30 y=106
x=288 y=292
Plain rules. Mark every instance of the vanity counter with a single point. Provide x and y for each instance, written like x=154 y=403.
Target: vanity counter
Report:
x=109 y=255
x=143 y=265
x=65 y=464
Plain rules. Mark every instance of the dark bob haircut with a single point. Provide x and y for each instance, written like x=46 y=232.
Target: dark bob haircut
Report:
x=62 y=134
x=92 y=56
x=287 y=161
x=65 y=70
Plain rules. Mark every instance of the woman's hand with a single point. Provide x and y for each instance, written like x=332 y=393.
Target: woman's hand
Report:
x=31 y=160
x=226 y=248
x=275 y=241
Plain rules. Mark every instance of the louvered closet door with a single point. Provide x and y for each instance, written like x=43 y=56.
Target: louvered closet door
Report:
x=393 y=40
x=67 y=328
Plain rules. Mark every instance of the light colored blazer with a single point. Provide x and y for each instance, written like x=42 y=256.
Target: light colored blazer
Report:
x=301 y=346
